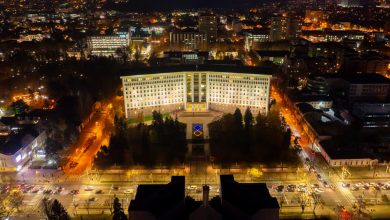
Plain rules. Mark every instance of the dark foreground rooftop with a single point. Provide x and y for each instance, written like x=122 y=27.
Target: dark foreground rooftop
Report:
x=248 y=197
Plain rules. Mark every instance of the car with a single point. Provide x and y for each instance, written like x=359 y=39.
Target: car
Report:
x=346 y=185
x=355 y=188
x=73 y=164
x=358 y=184
x=129 y=191
x=35 y=190
x=115 y=187
x=88 y=188
x=377 y=188
x=192 y=187
x=99 y=191
x=315 y=185
x=326 y=185
x=319 y=190
x=291 y=187
x=58 y=190
x=372 y=184
x=74 y=192
x=301 y=188
x=47 y=191
x=280 y=188
x=366 y=187
x=92 y=199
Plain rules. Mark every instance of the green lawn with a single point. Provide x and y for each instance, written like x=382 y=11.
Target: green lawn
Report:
x=146 y=118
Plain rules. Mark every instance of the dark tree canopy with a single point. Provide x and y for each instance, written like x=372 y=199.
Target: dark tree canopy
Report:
x=263 y=142
x=54 y=210
x=19 y=107
x=118 y=214
x=161 y=143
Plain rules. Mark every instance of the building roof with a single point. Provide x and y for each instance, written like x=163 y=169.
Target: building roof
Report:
x=10 y=144
x=365 y=78
x=297 y=96
x=305 y=107
x=258 y=31
x=8 y=120
x=324 y=124
x=248 y=197
x=187 y=68
x=337 y=152
x=159 y=199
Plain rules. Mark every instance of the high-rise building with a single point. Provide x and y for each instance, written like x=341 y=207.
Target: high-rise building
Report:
x=254 y=38
x=108 y=45
x=187 y=40
x=195 y=89
x=284 y=28
x=208 y=25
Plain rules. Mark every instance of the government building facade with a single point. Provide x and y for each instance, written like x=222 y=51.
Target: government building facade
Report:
x=195 y=89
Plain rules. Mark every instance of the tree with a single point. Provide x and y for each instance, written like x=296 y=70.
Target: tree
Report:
x=4 y=213
x=15 y=200
x=118 y=211
x=59 y=211
x=123 y=54
x=109 y=204
x=19 y=107
x=158 y=120
x=248 y=119
x=87 y=205
x=238 y=118
x=54 y=210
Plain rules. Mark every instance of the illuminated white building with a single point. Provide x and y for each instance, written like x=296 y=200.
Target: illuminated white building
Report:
x=16 y=150
x=195 y=89
x=107 y=45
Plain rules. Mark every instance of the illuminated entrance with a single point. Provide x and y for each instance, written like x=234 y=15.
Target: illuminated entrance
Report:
x=196 y=91
x=196 y=106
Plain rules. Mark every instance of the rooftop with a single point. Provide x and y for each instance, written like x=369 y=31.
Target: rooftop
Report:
x=159 y=199
x=365 y=78
x=297 y=96
x=10 y=144
x=248 y=197
x=335 y=151
x=324 y=124
x=193 y=68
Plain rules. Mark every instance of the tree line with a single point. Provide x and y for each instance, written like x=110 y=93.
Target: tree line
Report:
x=246 y=139
x=161 y=143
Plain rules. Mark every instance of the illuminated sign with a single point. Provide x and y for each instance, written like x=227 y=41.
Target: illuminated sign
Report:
x=197 y=130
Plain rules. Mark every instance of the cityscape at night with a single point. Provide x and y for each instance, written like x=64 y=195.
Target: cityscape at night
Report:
x=194 y=109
